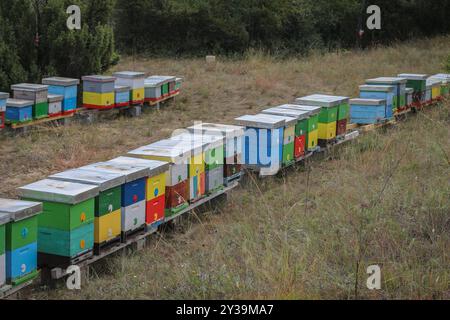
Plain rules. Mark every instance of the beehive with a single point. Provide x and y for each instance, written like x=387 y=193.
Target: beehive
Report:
x=37 y=93
x=301 y=126
x=55 y=105
x=234 y=138
x=213 y=149
x=68 y=88
x=4 y=219
x=428 y=94
x=264 y=140
x=409 y=96
x=20 y=235
x=197 y=166
x=133 y=193
x=153 y=89
x=177 y=183
x=445 y=89
x=435 y=85
x=122 y=96
x=18 y=111
x=66 y=226
x=134 y=80
x=178 y=84
x=168 y=86
x=98 y=92
x=367 y=111
x=445 y=86
x=398 y=83
x=3 y=98
x=155 y=187
x=312 y=136
x=380 y=92
x=108 y=205
x=328 y=116
x=417 y=82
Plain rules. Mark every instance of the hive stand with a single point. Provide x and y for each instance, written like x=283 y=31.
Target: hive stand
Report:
x=13 y=292
x=137 y=241
x=90 y=116
x=22 y=128
x=163 y=101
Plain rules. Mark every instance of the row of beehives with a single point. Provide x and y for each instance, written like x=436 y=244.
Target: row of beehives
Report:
x=382 y=98
x=86 y=210
x=82 y=212
x=57 y=96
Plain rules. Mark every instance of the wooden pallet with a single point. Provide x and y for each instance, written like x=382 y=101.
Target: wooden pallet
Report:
x=38 y=122
x=370 y=127
x=156 y=103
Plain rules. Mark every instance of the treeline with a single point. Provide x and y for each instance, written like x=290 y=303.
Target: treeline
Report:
x=278 y=26
x=35 y=41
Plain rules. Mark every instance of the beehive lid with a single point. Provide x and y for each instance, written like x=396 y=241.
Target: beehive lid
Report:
x=322 y=100
x=207 y=141
x=379 y=88
x=367 y=102
x=166 y=78
x=30 y=87
x=262 y=121
x=19 y=103
x=59 y=191
x=179 y=79
x=409 y=90
x=413 y=76
x=297 y=114
x=122 y=88
x=55 y=98
x=4 y=95
x=131 y=172
x=129 y=75
x=98 y=78
x=171 y=153
x=61 y=81
x=227 y=131
x=153 y=82
x=312 y=110
x=16 y=210
x=389 y=80
x=434 y=82
x=155 y=167
x=104 y=180
x=442 y=76
x=195 y=146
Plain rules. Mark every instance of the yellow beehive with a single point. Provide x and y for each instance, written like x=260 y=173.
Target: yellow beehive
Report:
x=327 y=131
x=107 y=227
x=98 y=99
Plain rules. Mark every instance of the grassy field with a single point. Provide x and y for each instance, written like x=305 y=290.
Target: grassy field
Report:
x=384 y=199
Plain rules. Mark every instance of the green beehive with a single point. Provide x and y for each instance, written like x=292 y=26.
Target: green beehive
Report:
x=343 y=111
x=38 y=93
x=330 y=106
x=416 y=81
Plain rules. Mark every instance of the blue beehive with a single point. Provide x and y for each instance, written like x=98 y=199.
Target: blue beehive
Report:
x=367 y=111
x=18 y=111
x=122 y=95
x=3 y=97
x=381 y=92
x=66 y=87
x=263 y=141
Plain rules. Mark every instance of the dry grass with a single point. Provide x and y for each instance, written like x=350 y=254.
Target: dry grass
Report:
x=382 y=200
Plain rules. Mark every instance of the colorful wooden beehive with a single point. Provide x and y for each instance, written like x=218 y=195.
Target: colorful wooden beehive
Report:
x=134 y=80
x=301 y=128
x=169 y=86
x=435 y=85
x=367 y=111
x=66 y=226
x=409 y=96
x=20 y=234
x=3 y=98
x=445 y=78
x=418 y=83
x=68 y=88
x=98 y=92
x=155 y=187
x=55 y=105
x=37 y=93
x=177 y=181
x=108 y=205
x=312 y=136
x=234 y=138
x=18 y=111
x=264 y=141
x=428 y=94
x=178 y=84
x=197 y=167
x=122 y=96
x=328 y=116
x=213 y=149
x=133 y=193
x=398 y=83
x=153 y=90
x=387 y=93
